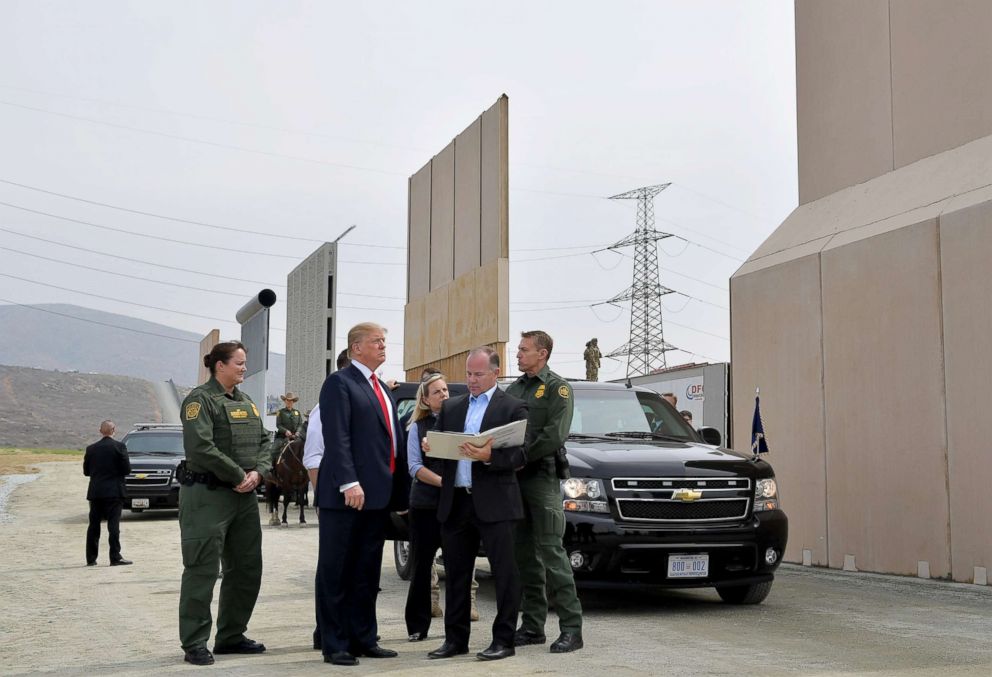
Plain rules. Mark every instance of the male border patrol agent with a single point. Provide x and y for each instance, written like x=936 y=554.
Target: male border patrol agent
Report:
x=289 y=424
x=541 y=557
x=227 y=454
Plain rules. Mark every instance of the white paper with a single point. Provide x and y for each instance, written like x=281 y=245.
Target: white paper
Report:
x=445 y=445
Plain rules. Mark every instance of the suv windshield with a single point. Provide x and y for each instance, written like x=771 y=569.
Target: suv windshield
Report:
x=161 y=443
x=603 y=412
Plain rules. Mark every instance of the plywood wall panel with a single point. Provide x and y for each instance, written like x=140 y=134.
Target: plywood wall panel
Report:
x=776 y=326
x=495 y=182
x=966 y=249
x=468 y=199
x=885 y=428
x=443 y=216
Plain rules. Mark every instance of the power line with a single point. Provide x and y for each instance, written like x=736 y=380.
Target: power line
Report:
x=116 y=300
x=104 y=324
x=132 y=277
x=215 y=144
x=146 y=235
x=141 y=261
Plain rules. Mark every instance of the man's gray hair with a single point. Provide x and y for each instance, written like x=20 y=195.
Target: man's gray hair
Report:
x=488 y=352
x=107 y=427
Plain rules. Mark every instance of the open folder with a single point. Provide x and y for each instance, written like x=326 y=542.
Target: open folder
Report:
x=445 y=445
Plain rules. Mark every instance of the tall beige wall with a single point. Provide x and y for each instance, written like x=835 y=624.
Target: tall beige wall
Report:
x=883 y=83
x=865 y=316
x=458 y=259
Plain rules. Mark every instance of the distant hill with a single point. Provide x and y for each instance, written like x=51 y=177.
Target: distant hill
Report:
x=43 y=337
x=41 y=408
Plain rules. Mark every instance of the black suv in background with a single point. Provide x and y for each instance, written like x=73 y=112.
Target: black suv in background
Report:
x=155 y=450
x=649 y=502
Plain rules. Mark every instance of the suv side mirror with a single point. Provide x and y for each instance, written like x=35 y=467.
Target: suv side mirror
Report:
x=711 y=436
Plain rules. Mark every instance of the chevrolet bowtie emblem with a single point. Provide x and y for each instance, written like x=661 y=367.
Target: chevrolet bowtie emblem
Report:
x=140 y=476
x=686 y=495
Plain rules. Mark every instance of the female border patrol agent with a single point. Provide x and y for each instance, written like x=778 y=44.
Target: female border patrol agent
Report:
x=226 y=457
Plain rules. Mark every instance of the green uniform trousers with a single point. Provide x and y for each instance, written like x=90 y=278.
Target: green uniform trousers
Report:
x=541 y=558
x=219 y=527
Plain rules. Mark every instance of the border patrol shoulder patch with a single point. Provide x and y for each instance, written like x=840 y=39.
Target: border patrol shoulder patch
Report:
x=192 y=411
x=563 y=391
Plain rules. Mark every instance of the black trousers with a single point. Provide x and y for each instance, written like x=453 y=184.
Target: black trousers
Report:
x=108 y=509
x=460 y=535
x=425 y=539
x=348 y=567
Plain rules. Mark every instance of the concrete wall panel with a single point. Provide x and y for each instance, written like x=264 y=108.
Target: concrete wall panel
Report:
x=885 y=429
x=775 y=323
x=419 y=233
x=843 y=94
x=414 y=331
x=495 y=182
x=941 y=75
x=966 y=249
x=443 y=216
x=468 y=199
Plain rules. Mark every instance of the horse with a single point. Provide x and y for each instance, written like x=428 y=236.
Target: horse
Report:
x=289 y=477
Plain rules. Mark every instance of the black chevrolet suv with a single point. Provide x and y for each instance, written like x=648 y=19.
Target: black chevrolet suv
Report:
x=155 y=450
x=649 y=502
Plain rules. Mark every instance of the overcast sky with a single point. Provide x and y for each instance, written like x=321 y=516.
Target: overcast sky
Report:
x=302 y=118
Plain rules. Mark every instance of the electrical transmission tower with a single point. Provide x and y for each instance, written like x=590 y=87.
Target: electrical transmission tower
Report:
x=645 y=351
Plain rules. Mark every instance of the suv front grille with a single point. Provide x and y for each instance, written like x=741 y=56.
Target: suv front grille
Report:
x=158 y=477
x=677 y=511
x=682 y=499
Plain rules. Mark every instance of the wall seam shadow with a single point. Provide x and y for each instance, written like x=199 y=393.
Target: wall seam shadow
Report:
x=943 y=370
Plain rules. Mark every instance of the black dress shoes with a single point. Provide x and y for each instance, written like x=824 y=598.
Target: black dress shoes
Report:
x=244 y=646
x=341 y=658
x=91 y=564
x=417 y=636
x=566 y=642
x=121 y=562
x=447 y=650
x=524 y=637
x=496 y=651
x=375 y=651
x=199 y=656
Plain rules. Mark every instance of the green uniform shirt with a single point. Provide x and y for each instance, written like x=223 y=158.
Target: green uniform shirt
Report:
x=549 y=411
x=223 y=433
x=288 y=421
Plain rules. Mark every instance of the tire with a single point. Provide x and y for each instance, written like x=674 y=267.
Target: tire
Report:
x=401 y=556
x=745 y=594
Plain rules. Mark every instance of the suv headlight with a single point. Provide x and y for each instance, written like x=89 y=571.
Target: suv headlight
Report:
x=583 y=495
x=765 y=495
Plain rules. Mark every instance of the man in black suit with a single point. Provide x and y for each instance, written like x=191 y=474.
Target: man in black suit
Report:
x=480 y=499
x=106 y=463
x=354 y=484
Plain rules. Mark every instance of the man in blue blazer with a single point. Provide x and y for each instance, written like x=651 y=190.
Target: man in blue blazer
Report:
x=354 y=483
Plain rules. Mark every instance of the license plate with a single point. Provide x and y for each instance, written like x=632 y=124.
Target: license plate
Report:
x=689 y=566
x=139 y=502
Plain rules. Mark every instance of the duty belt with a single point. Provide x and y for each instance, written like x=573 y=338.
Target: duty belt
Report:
x=188 y=478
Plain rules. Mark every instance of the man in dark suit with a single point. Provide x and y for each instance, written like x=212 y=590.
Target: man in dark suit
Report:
x=106 y=463
x=354 y=484
x=480 y=499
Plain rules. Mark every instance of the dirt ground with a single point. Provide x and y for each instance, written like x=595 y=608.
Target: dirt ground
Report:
x=59 y=616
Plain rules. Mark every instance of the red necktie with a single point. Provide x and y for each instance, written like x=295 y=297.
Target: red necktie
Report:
x=385 y=415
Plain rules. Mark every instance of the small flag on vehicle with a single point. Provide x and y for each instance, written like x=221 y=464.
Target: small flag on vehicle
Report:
x=758 y=443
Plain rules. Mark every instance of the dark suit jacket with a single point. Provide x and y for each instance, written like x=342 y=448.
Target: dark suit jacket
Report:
x=106 y=463
x=495 y=493
x=356 y=441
